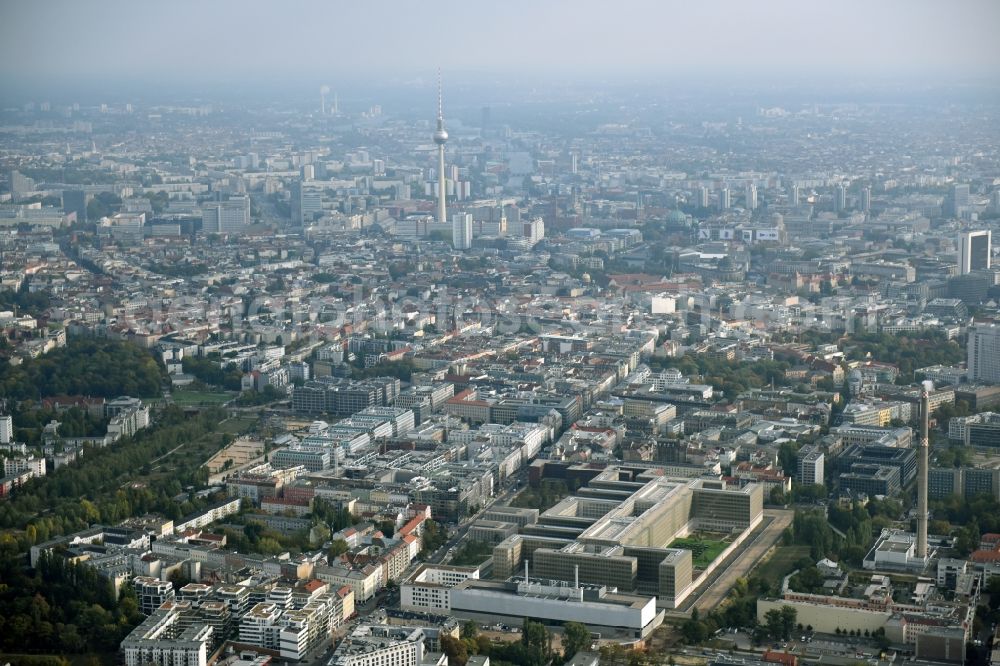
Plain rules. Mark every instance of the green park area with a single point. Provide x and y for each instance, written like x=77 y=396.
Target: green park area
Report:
x=781 y=563
x=195 y=398
x=703 y=550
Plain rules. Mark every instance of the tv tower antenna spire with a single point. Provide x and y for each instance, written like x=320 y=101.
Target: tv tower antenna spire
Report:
x=440 y=137
x=440 y=99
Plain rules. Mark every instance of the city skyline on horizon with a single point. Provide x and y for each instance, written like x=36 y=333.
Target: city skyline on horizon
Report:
x=264 y=44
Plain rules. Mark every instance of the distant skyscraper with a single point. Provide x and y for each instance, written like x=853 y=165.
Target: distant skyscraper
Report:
x=840 y=198
x=573 y=164
x=75 y=201
x=866 y=199
x=440 y=138
x=305 y=203
x=995 y=201
x=703 y=197
x=20 y=185
x=724 y=202
x=750 y=197
x=308 y=172
x=226 y=217
x=793 y=195
x=324 y=90
x=295 y=202
x=461 y=230
x=984 y=354
x=974 y=251
x=958 y=199
x=534 y=230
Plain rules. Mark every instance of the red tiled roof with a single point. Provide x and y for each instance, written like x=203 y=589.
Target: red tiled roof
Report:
x=313 y=585
x=780 y=658
x=985 y=556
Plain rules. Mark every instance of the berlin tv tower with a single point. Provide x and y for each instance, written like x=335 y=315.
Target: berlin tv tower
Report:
x=440 y=137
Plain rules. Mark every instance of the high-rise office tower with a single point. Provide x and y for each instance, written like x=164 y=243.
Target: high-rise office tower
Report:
x=793 y=195
x=995 y=201
x=751 y=197
x=866 y=199
x=958 y=199
x=840 y=198
x=305 y=203
x=703 y=197
x=461 y=230
x=984 y=354
x=20 y=185
x=573 y=167
x=440 y=138
x=534 y=230
x=295 y=202
x=974 y=248
x=226 y=217
x=75 y=201
x=6 y=429
x=810 y=462
x=724 y=202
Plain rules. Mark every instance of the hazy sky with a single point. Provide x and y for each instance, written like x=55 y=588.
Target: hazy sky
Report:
x=46 y=42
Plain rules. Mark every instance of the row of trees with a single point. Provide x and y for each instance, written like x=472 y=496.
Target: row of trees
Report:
x=94 y=489
x=434 y=536
x=547 y=495
x=977 y=515
x=906 y=351
x=472 y=553
x=74 y=422
x=402 y=370
x=103 y=204
x=210 y=372
x=88 y=366
x=779 y=623
x=61 y=606
x=859 y=525
x=731 y=378
x=33 y=303
x=534 y=648
x=738 y=610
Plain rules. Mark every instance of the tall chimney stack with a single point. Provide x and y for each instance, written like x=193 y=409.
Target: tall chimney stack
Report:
x=924 y=446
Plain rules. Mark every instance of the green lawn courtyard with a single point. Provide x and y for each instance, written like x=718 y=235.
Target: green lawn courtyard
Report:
x=703 y=550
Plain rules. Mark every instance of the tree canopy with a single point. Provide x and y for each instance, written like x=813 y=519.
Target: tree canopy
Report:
x=85 y=366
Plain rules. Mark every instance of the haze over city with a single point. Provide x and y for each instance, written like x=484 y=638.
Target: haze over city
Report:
x=231 y=43
x=523 y=333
